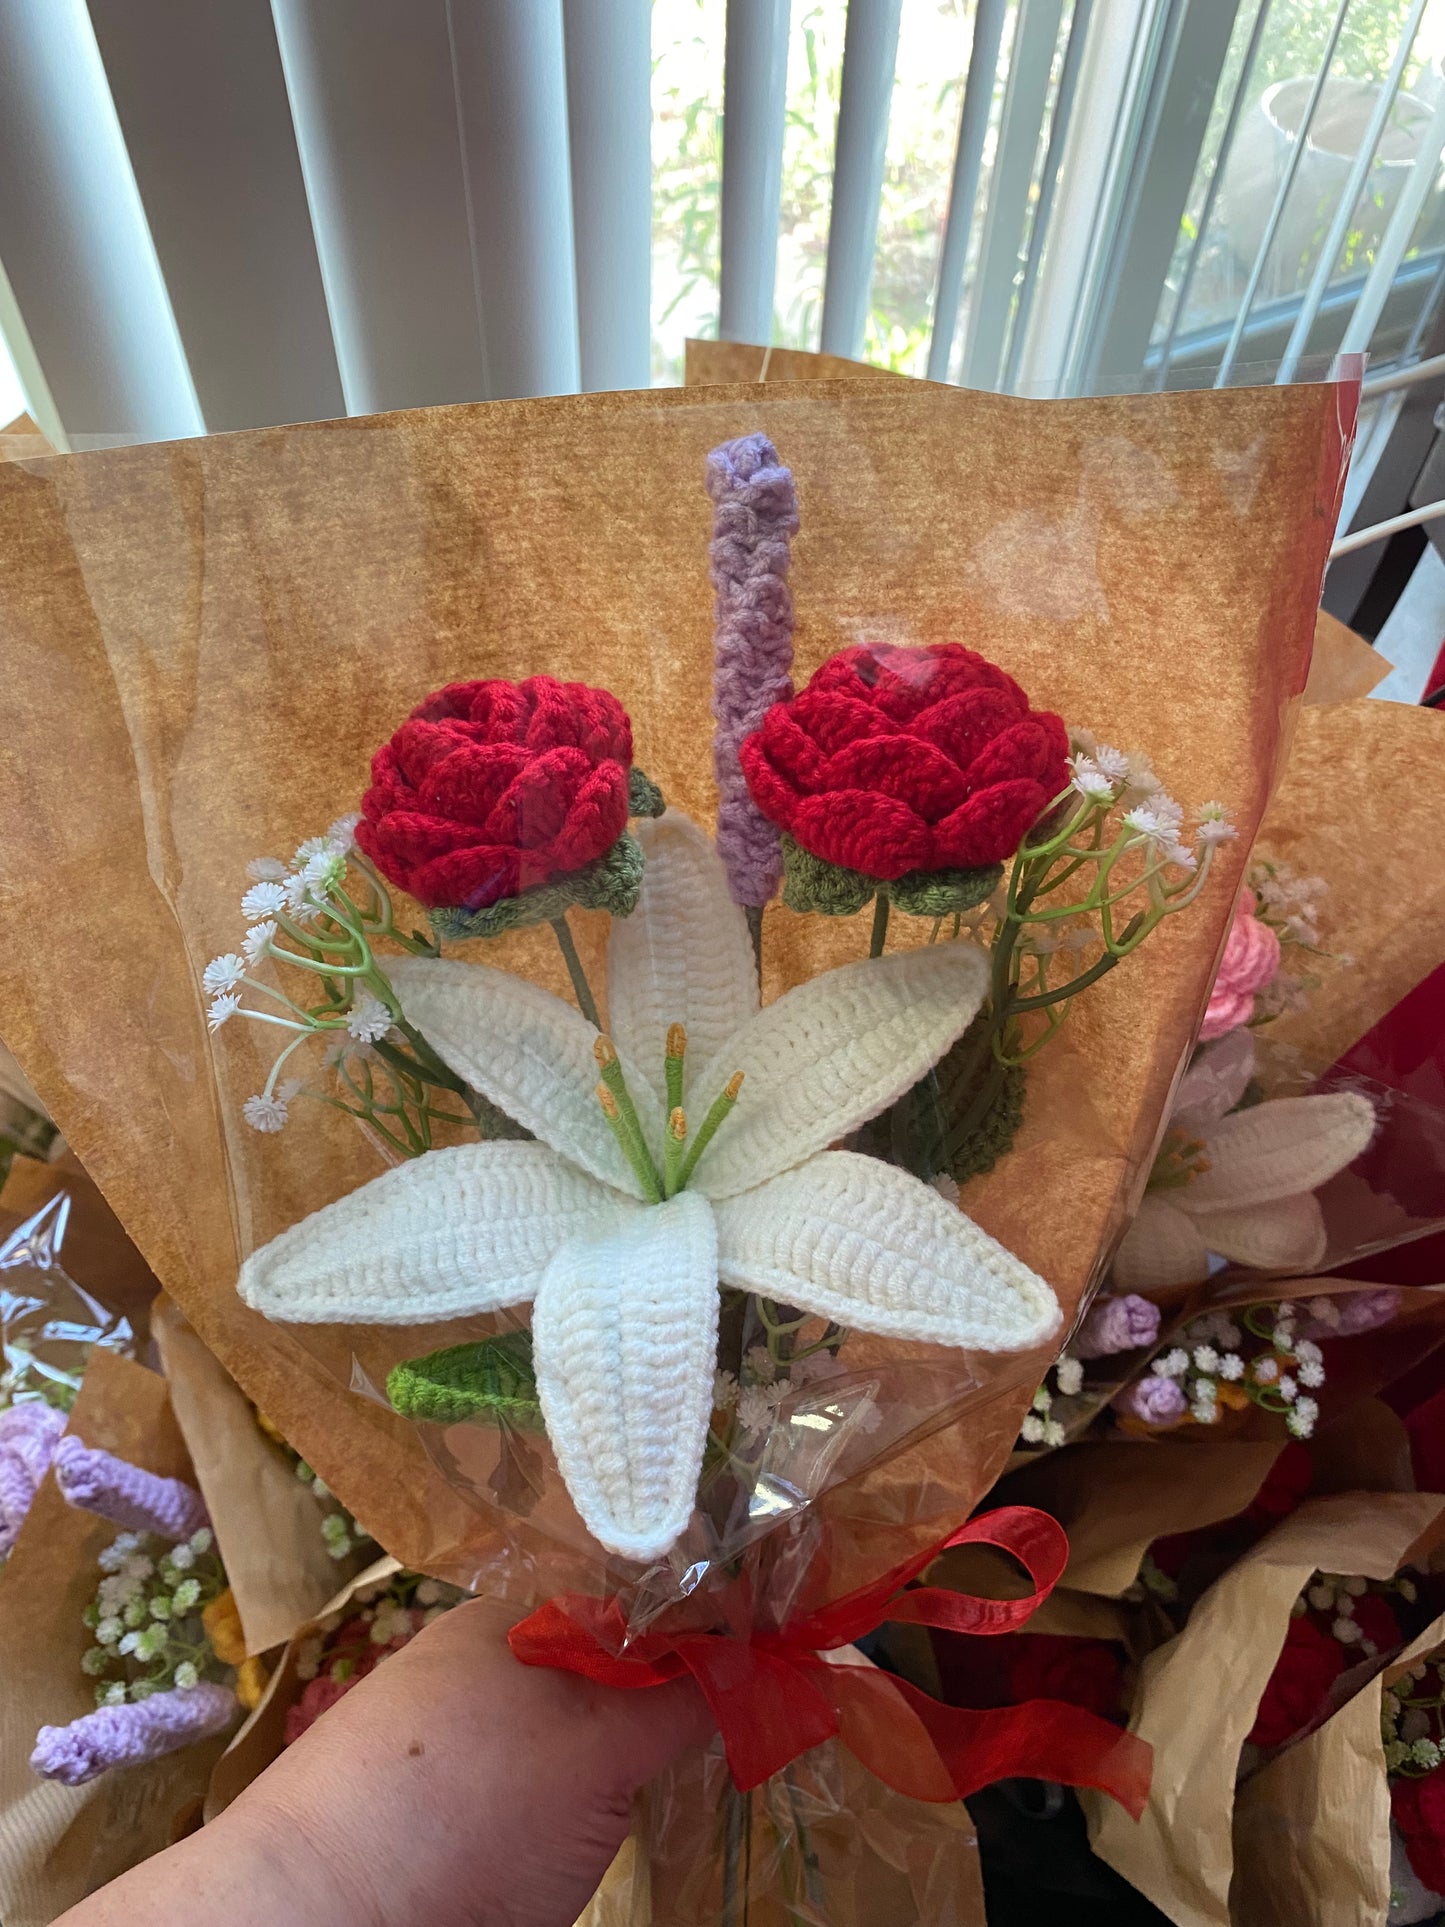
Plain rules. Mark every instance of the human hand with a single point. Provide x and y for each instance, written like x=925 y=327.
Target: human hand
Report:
x=454 y=1787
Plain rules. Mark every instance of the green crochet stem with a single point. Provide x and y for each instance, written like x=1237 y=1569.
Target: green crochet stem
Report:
x=721 y=1105
x=581 y=989
x=626 y=1125
x=490 y=1381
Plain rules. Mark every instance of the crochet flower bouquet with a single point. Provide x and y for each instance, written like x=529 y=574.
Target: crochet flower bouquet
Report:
x=657 y=1142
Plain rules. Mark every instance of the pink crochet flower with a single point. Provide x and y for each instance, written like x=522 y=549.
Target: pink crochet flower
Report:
x=1251 y=958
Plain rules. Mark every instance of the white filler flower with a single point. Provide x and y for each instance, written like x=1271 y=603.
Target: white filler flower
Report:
x=625 y=1294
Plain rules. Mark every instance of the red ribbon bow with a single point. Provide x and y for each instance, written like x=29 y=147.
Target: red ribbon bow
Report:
x=773 y=1696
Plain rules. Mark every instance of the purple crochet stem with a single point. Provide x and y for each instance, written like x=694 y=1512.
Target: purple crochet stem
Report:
x=1158 y=1401
x=132 y=1734
x=31 y=1432
x=755 y=515
x=28 y=1436
x=99 y=1482
x=1116 y=1325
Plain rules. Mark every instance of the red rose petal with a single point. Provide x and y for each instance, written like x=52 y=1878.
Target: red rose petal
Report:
x=409 y=837
x=1028 y=748
x=790 y=750
x=862 y=831
x=572 y=713
x=774 y=794
x=466 y=786
x=498 y=710
x=418 y=746
x=989 y=827
x=469 y=879
x=1299 y=1687
x=913 y=772
x=964 y=724
x=834 y=720
x=596 y=819
x=534 y=806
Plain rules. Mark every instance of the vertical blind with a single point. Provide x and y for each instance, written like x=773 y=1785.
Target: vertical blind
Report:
x=214 y=217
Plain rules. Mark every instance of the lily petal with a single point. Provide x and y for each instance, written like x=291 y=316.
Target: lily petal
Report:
x=684 y=956
x=1279 y=1149
x=624 y=1335
x=832 y=1053
x=460 y=1231
x=1286 y=1235
x=528 y=1052
x=855 y=1240
x=1162 y=1247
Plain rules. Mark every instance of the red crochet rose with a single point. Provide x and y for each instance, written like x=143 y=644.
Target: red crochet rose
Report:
x=489 y=788
x=1051 y=1666
x=1299 y=1686
x=894 y=760
x=1418 y=1809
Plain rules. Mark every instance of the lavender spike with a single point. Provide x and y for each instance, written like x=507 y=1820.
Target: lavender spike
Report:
x=132 y=1734
x=99 y=1482
x=755 y=514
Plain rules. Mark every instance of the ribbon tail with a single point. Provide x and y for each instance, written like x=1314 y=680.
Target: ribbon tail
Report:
x=1036 y=1740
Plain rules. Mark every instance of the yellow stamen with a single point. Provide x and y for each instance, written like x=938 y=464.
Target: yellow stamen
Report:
x=677 y=1123
x=733 y=1086
x=608 y=1103
x=676 y=1040
x=604 y=1050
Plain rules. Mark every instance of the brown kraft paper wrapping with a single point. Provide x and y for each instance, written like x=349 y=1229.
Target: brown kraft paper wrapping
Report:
x=59 y=1843
x=1115 y=1500
x=1312 y=1829
x=219 y=632
x=1197 y=1696
x=267 y=1523
x=1360 y=805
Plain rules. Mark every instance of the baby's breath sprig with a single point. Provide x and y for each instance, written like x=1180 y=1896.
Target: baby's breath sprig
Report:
x=1290 y=904
x=1041 y=1425
x=1412 y=1719
x=148 y=1621
x=1109 y=860
x=1212 y=1365
x=324 y=917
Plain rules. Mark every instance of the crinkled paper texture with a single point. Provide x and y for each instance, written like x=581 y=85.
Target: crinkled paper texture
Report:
x=205 y=641
x=1198 y=1695
x=268 y=1524
x=1360 y=804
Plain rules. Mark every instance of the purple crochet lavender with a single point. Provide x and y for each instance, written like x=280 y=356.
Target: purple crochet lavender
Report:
x=755 y=515
x=132 y=1734
x=28 y=1436
x=1354 y=1312
x=1156 y=1400
x=31 y=1430
x=99 y=1482
x=1116 y=1325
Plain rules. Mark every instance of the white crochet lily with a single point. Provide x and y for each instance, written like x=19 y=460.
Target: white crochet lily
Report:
x=1249 y=1194
x=625 y=1294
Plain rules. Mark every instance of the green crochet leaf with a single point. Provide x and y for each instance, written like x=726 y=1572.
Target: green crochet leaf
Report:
x=942 y=893
x=611 y=882
x=491 y=1382
x=811 y=883
x=644 y=798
